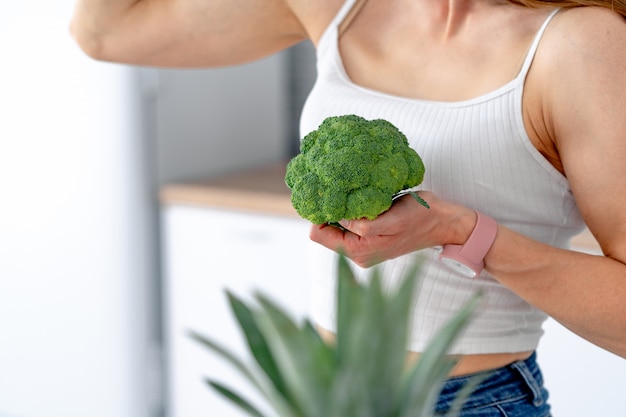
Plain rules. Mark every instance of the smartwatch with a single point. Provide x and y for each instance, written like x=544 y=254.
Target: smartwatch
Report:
x=468 y=259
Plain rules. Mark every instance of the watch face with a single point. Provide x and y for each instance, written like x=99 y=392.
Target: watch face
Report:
x=459 y=267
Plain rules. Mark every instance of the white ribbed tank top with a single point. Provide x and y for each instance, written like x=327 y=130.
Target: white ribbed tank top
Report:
x=478 y=154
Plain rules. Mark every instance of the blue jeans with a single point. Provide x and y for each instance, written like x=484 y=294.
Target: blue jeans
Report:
x=515 y=390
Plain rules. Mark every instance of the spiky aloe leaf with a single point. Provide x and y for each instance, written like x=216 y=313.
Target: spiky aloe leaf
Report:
x=258 y=345
x=229 y=357
x=349 y=301
x=351 y=393
x=393 y=339
x=363 y=374
x=427 y=377
x=372 y=337
x=273 y=398
x=235 y=398
x=307 y=368
x=323 y=354
x=349 y=396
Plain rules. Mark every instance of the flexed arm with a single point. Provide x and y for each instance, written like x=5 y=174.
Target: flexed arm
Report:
x=185 y=33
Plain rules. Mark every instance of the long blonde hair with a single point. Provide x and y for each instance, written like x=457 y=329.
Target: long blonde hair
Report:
x=618 y=6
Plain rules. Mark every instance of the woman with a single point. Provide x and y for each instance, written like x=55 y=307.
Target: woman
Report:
x=517 y=110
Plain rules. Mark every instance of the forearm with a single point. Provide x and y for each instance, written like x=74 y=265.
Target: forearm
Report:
x=583 y=292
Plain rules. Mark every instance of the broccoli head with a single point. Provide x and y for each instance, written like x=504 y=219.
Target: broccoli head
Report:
x=350 y=168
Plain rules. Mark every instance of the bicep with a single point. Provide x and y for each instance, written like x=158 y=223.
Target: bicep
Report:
x=588 y=102
x=198 y=33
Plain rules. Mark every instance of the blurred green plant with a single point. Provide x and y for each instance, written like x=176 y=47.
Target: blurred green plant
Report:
x=363 y=373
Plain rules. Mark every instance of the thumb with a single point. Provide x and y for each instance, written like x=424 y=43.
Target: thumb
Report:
x=345 y=223
x=361 y=227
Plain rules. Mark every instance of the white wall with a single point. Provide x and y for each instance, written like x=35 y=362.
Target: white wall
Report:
x=210 y=122
x=73 y=256
x=83 y=145
x=582 y=379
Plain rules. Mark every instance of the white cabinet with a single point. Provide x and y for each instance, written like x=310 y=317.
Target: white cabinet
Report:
x=207 y=251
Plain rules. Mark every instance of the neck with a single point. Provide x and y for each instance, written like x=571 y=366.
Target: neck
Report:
x=448 y=17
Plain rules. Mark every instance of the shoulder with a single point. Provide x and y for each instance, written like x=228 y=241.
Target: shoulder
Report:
x=581 y=58
x=579 y=63
x=582 y=87
x=585 y=32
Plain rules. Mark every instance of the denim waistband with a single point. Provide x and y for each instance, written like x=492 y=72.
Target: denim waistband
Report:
x=509 y=383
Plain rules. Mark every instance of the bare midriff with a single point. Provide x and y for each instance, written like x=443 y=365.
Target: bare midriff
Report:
x=468 y=364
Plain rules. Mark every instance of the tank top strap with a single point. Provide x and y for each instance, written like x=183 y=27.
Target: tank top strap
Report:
x=342 y=13
x=530 y=55
x=330 y=33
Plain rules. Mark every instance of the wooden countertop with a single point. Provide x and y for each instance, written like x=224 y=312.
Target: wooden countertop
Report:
x=263 y=190
x=258 y=190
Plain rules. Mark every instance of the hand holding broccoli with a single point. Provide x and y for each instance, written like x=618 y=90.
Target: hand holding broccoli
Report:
x=350 y=168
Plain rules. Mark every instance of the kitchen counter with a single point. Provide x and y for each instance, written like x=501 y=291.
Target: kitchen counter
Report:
x=260 y=190
x=263 y=190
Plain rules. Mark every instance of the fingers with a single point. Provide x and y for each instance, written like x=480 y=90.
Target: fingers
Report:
x=329 y=236
x=391 y=234
x=361 y=250
x=359 y=227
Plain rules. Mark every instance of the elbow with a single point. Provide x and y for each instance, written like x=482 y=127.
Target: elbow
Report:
x=620 y=349
x=614 y=343
x=89 y=42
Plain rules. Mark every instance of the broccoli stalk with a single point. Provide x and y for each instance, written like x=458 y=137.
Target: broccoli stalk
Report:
x=351 y=168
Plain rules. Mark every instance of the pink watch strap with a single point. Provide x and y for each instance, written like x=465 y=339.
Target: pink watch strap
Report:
x=472 y=253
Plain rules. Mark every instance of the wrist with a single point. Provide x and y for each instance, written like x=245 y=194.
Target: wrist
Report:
x=468 y=258
x=460 y=223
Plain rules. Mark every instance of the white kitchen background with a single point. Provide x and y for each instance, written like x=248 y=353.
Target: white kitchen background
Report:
x=76 y=267
x=84 y=147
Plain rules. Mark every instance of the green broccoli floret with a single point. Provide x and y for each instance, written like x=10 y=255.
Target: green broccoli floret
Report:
x=350 y=168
